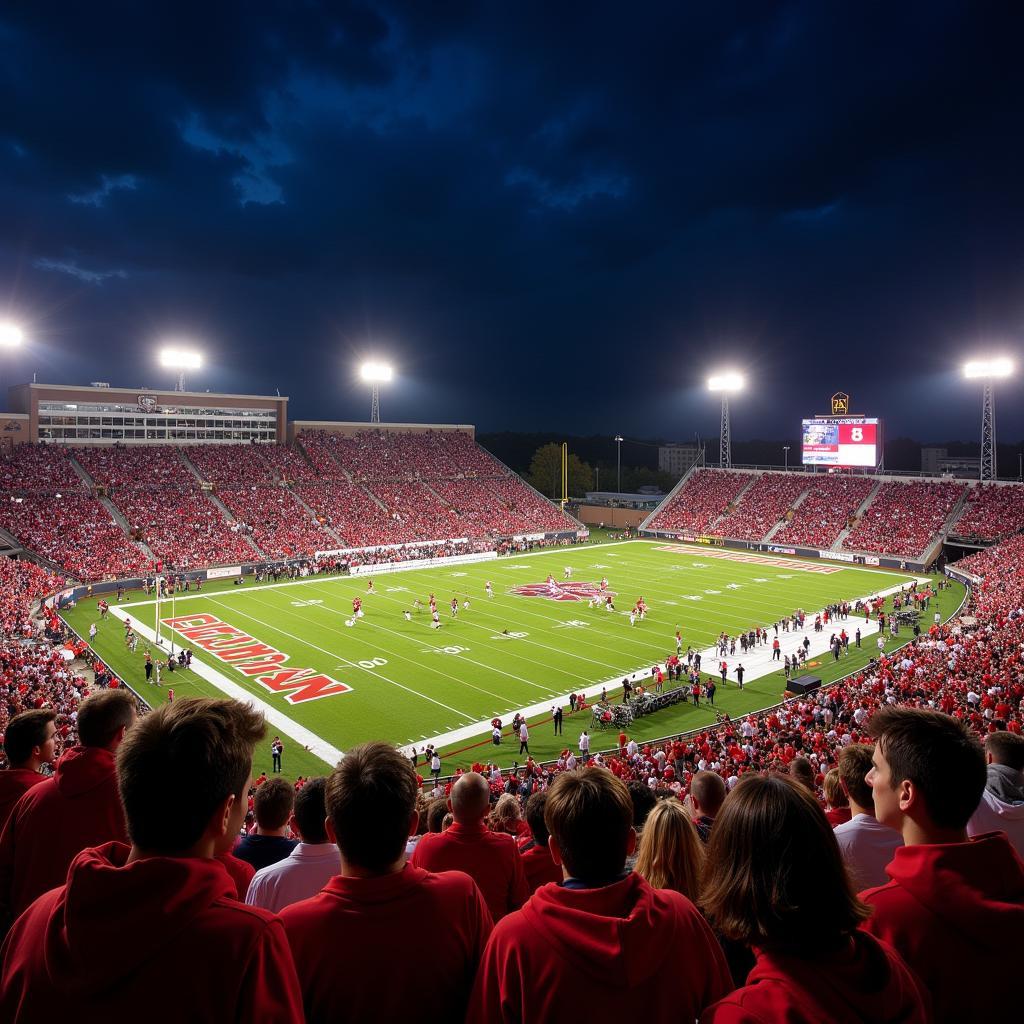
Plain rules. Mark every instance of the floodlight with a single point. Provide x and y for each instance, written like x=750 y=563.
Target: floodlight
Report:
x=988 y=368
x=180 y=359
x=726 y=382
x=376 y=373
x=11 y=335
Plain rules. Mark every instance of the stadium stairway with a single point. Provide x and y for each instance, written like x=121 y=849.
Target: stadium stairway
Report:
x=954 y=516
x=118 y=516
x=734 y=504
x=786 y=519
x=837 y=544
x=373 y=497
x=698 y=463
x=83 y=473
x=328 y=529
x=226 y=513
x=9 y=544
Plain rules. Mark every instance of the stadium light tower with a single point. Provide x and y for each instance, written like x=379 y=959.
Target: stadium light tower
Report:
x=11 y=337
x=988 y=371
x=726 y=383
x=180 y=359
x=375 y=374
x=618 y=461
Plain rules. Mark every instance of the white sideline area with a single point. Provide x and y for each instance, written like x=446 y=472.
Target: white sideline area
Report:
x=278 y=719
x=756 y=663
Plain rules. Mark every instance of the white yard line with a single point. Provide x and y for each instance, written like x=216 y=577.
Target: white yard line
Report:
x=329 y=754
x=757 y=664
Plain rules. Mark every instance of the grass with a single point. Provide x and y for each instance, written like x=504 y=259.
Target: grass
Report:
x=410 y=682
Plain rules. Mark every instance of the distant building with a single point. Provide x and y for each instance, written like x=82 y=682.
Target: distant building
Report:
x=677 y=458
x=938 y=462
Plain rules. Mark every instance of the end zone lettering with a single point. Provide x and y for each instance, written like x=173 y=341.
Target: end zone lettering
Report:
x=265 y=664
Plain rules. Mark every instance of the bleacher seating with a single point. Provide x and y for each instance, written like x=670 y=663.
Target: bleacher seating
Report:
x=903 y=518
x=825 y=512
x=134 y=467
x=280 y=525
x=762 y=506
x=991 y=512
x=38 y=468
x=700 y=501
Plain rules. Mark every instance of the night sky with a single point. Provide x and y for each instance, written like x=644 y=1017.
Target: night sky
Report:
x=550 y=216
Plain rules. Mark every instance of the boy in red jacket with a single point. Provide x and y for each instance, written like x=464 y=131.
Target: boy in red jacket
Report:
x=602 y=933
x=79 y=807
x=341 y=936
x=954 y=907
x=29 y=740
x=102 y=946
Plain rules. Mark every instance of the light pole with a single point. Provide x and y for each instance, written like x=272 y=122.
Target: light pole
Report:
x=618 y=462
x=180 y=359
x=785 y=448
x=988 y=371
x=375 y=374
x=11 y=337
x=726 y=383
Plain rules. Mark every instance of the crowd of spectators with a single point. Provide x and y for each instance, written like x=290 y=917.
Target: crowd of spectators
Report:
x=904 y=518
x=700 y=501
x=250 y=463
x=762 y=506
x=36 y=468
x=991 y=512
x=827 y=510
x=277 y=521
x=133 y=467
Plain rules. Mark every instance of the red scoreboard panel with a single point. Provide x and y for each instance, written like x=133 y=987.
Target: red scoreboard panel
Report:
x=841 y=441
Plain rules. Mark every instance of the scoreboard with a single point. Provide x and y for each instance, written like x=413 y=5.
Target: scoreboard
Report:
x=841 y=441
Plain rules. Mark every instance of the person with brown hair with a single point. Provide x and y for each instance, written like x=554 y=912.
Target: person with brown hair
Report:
x=837 y=802
x=341 y=937
x=76 y=808
x=954 y=907
x=1002 y=803
x=537 y=863
x=671 y=854
x=29 y=741
x=775 y=882
x=270 y=841
x=106 y=943
x=604 y=934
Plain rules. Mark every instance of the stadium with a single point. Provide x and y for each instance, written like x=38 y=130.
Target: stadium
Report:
x=306 y=716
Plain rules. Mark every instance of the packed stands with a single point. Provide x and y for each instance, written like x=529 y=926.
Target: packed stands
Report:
x=36 y=468
x=74 y=531
x=249 y=463
x=762 y=506
x=991 y=512
x=700 y=501
x=353 y=514
x=318 y=446
x=826 y=511
x=903 y=518
x=280 y=525
x=22 y=583
x=135 y=467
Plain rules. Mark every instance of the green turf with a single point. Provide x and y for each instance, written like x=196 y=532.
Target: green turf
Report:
x=410 y=682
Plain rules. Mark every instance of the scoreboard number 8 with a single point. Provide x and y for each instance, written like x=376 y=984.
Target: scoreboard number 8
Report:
x=857 y=434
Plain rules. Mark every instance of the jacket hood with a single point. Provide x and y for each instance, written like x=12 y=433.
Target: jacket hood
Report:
x=864 y=982
x=1005 y=784
x=616 y=934
x=976 y=887
x=112 y=917
x=82 y=769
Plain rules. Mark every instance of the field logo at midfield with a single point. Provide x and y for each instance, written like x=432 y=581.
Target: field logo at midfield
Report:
x=252 y=658
x=565 y=591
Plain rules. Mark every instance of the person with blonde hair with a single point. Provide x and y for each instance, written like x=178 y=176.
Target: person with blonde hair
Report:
x=671 y=854
x=838 y=809
x=506 y=816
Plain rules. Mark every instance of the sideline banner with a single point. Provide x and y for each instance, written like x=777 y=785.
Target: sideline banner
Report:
x=223 y=572
x=421 y=563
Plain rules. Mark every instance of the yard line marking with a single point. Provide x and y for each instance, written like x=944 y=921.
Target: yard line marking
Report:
x=328 y=753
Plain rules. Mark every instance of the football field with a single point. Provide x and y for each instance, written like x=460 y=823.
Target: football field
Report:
x=327 y=684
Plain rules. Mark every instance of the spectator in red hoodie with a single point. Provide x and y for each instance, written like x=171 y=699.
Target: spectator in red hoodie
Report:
x=29 y=740
x=537 y=862
x=491 y=859
x=954 y=907
x=78 y=807
x=339 y=937
x=108 y=943
x=604 y=934
x=776 y=882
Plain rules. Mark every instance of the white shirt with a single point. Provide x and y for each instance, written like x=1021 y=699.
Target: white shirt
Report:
x=584 y=743
x=524 y=733
x=867 y=847
x=303 y=873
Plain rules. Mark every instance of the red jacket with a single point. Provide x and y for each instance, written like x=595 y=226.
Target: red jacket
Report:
x=489 y=858
x=110 y=943
x=643 y=954
x=241 y=872
x=539 y=867
x=341 y=936
x=14 y=783
x=865 y=982
x=54 y=821
x=955 y=911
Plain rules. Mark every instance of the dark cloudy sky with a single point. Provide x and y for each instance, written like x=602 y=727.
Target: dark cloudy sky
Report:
x=548 y=215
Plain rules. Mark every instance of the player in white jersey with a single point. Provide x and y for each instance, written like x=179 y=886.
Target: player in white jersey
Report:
x=436 y=619
x=489 y=589
x=407 y=615
x=567 y=572
x=632 y=618
x=465 y=605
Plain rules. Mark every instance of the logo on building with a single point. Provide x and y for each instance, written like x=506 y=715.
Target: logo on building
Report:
x=12 y=427
x=562 y=591
x=840 y=404
x=148 y=403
